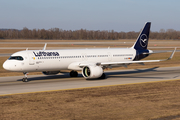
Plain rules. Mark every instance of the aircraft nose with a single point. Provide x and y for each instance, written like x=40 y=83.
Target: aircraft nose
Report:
x=6 y=66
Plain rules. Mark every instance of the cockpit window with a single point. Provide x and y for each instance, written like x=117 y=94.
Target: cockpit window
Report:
x=15 y=58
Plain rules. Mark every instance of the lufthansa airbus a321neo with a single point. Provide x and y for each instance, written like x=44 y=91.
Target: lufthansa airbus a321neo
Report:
x=91 y=62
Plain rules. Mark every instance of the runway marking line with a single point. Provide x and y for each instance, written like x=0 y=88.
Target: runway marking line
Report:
x=89 y=87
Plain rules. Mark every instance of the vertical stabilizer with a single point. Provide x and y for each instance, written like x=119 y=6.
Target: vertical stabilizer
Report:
x=142 y=40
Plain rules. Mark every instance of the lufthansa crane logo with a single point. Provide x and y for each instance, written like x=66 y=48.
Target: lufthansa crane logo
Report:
x=143 y=40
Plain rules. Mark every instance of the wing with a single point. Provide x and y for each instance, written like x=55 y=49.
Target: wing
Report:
x=125 y=63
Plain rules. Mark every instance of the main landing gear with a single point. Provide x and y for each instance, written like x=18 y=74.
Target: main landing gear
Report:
x=25 y=77
x=73 y=73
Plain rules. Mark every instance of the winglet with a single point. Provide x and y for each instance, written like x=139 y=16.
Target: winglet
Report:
x=172 y=54
x=45 y=46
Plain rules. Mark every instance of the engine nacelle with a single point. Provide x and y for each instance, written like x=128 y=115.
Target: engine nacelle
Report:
x=50 y=72
x=90 y=72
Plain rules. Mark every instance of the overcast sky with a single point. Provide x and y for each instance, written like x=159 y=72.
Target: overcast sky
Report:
x=118 y=15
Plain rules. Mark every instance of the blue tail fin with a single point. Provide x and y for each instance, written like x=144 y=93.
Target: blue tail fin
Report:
x=142 y=40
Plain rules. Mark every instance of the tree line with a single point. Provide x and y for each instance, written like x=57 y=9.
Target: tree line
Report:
x=56 y=33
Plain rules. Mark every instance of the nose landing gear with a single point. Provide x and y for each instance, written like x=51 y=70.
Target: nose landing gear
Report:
x=25 y=77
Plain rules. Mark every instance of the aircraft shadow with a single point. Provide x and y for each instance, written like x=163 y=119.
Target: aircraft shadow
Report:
x=132 y=74
x=108 y=75
x=47 y=77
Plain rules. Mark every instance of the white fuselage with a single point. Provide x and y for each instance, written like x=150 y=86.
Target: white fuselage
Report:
x=52 y=60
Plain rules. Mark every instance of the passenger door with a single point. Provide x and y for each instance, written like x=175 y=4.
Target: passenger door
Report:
x=31 y=58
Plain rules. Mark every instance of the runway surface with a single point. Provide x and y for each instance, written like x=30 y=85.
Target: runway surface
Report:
x=12 y=85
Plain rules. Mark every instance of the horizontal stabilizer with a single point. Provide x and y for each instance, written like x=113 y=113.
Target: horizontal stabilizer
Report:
x=155 y=52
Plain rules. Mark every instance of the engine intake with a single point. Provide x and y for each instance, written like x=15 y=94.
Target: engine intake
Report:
x=90 y=72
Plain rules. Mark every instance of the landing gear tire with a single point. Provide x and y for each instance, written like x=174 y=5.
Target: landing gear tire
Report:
x=25 y=80
x=103 y=76
x=73 y=73
x=25 y=77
